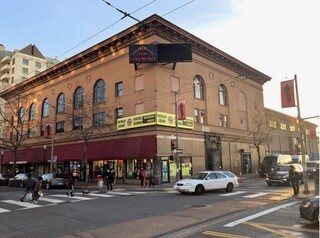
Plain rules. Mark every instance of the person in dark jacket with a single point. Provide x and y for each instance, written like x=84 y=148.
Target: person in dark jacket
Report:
x=110 y=176
x=37 y=190
x=30 y=183
x=294 y=178
x=71 y=185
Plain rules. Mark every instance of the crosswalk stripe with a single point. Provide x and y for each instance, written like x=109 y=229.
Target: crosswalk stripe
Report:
x=22 y=204
x=51 y=200
x=255 y=195
x=74 y=197
x=101 y=195
x=120 y=193
x=2 y=210
x=232 y=194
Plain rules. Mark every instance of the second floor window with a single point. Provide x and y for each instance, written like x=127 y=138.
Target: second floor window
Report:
x=60 y=127
x=77 y=123
x=223 y=120
x=46 y=108
x=99 y=91
x=78 y=98
x=118 y=113
x=222 y=95
x=37 y=65
x=61 y=103
x=198 y=87
x=32 y=115
x=119 y=89
x=24 y=70
x=99 y=119
x=31 y=132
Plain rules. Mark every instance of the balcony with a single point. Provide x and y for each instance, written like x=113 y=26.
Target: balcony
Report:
x=5 y=78
x=6 y=68
x=6 y=60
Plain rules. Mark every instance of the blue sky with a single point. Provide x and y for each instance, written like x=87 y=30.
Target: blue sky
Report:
x=277 y=37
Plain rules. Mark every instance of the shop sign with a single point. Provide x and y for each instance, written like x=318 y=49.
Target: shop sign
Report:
x=153 y=118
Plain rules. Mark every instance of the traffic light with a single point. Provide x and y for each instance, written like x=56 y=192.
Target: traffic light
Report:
x=173 y=144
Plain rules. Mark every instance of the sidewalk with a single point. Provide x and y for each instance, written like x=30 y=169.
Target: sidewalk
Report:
x=135 y=185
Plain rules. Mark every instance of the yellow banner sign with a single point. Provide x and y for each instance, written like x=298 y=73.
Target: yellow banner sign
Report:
x=153 y=118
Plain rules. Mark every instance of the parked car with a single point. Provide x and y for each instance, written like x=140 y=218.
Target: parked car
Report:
x=270 y=162
x=309 y=209
x=311 y=167
x=3 y=180
x=206 y=181
x=281 y=174
x=19 y=180
x=53 y=180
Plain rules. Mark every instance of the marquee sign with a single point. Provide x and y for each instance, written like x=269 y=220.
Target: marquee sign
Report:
x=153 y=118
x=160 y=53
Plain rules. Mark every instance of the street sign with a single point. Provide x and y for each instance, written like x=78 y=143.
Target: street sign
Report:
x=178 y=151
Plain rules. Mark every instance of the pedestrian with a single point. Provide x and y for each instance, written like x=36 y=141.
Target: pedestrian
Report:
x=30 y=184
x=151 y=179
x=71 y=185
x=143 y=177
x=294 y=178
x=110 y=176
x=37 y=192
x=316 y=179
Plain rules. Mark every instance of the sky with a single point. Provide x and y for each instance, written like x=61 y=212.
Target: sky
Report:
x=279 y=38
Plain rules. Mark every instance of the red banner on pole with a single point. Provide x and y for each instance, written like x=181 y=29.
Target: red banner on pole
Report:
x=47 y=130
x=181 y=104
x=287 y=94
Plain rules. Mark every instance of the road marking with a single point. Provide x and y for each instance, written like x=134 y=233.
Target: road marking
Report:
x=51 y=200
x=280 y=233
x=74 y=197
x=291 y=228
x=102 y=195
x=259 y=214
x=232 y=194
x=218 y=234
x=119 y=193
x=25 y=205
x=255 y=195
x=2 y=210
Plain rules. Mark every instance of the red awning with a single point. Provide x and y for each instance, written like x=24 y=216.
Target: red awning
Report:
x=126 y=148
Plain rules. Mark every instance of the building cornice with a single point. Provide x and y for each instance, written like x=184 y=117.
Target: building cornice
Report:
x=153 y=25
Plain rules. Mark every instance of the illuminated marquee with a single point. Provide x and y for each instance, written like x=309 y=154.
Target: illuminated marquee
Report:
x=153 y=118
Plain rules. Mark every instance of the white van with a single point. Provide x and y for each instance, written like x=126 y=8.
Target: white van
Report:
x=270 y=162
x=297 y=159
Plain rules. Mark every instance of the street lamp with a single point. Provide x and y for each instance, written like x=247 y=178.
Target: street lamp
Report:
x=53 y=132
x=2 y=152
x=44 y=157
x=176 y=151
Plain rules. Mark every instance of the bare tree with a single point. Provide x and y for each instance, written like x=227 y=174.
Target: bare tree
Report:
x=88 y=121
x=260 y=132
x=15 y=126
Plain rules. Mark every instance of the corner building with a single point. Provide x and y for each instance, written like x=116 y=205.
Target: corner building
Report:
x=134 y=107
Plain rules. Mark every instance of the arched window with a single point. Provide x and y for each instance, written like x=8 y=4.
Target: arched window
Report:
x=242 y=102
x=32 y=112
x=21 y=114
x=78 y=98
x=61 y=103
x=198 y=86
x=99 y=91
x=222 y=95
x=46 y=108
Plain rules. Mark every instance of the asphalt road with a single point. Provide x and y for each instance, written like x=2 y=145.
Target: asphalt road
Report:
x=148 y=213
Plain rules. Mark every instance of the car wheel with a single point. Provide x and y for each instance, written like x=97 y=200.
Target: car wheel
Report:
x=47 y=185
x=199 y=189
x=229 y=187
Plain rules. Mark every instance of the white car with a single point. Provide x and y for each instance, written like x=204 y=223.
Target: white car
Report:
x=206 y=181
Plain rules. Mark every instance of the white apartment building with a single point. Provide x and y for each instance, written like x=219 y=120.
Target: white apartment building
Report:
x=18 y=65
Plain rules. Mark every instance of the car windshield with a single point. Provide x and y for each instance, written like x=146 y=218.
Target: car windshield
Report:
x=283 y=168
x=270 y=161
x=199 y=176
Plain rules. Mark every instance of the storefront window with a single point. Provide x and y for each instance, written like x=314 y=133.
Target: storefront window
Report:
x=134 y=166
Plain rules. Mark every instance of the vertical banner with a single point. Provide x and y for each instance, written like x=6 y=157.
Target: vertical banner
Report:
x=47 y=130
x=287 y=94
x=181 y=104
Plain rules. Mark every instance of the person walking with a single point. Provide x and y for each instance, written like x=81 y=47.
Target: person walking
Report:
x=316 y=180
x=30 y=184
x=37 y=190
x=110 y=176
x=143 y=177
x=151 y=179
x=294 y=178
x=71 y=185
